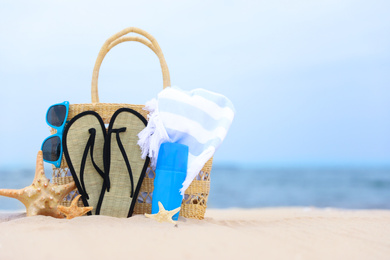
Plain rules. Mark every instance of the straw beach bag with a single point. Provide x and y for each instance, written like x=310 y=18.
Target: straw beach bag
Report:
x=195 y=200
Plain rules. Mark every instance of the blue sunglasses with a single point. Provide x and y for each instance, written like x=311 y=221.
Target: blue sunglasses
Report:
x=52 y=146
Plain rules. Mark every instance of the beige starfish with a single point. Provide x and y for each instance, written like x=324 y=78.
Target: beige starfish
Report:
x=74 y=210
x=41 y=197
x=163 y=215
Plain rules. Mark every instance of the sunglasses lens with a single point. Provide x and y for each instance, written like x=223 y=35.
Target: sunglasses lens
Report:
x=56 y=115
x=51 y=149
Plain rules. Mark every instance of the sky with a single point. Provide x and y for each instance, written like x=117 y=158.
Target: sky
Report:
x=309 y=80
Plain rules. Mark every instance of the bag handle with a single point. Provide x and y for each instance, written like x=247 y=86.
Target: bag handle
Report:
x=120 y=37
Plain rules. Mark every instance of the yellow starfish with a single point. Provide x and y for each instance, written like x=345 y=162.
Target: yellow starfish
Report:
x=41 y=197
x=163 y=215
x=74 y=210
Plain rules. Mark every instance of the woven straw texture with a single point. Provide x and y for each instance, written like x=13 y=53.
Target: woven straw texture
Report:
x=195 y=200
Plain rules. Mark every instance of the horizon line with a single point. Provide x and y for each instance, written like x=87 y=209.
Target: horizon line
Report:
x=256 y=165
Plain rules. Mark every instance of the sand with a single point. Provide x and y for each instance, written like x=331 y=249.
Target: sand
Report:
x=286 y=233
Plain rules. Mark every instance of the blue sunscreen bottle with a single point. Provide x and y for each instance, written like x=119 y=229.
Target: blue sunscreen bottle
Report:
x=171 y=171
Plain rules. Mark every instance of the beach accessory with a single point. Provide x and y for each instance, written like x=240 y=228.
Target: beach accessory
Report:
x=42 y=196
x=171 y=171
x=123 y=165
x=163 y=215
x=199 y=119
x=56 y=117
x=195 y=202
x=74 y=210
x=83 y=143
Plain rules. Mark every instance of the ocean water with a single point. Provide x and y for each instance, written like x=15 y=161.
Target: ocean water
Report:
x=350 y=188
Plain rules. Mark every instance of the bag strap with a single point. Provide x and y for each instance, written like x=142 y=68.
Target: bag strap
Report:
x=120 y=37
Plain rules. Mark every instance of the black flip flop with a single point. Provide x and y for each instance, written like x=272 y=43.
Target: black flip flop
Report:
x=83 y=143
x=123 y=164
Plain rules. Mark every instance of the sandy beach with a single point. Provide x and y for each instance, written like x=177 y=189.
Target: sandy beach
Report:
x=274 y=233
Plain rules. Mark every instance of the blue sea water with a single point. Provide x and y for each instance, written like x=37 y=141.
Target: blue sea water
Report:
x=351 y=188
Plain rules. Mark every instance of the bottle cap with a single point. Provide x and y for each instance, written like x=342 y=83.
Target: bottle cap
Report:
x=172 y=157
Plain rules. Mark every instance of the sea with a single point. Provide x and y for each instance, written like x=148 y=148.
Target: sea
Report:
x=261 y=187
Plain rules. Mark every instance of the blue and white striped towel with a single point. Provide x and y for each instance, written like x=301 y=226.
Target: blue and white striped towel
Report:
x=199 y=119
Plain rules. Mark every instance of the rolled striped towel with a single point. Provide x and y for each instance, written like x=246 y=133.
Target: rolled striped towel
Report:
x=199 y=119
